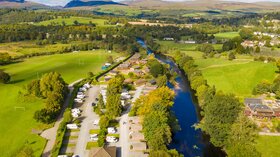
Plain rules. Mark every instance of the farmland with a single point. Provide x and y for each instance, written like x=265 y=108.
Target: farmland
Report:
x=16 y=115
x=70 y=21
x=226 y=35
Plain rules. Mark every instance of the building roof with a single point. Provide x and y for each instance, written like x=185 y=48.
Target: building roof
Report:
x=135 y=127
x=251 y=101
x=136 y=136
x=260 y=108
x=103 y=152
x=140 y=146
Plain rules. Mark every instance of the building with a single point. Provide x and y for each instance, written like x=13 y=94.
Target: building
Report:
x=103 y=152
x=168 y=39
x=253 y=101
x=140 y=146
x=136 y=136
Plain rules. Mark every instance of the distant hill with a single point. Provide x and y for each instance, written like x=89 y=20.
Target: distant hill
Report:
x=20 y=4
x=88 y=3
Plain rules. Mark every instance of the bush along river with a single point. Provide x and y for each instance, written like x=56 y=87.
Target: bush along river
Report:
x=187 y=141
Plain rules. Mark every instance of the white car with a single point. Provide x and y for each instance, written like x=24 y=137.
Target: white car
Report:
x=111 y=139
x=81 y=96
x=111 y=130
x=72 y=126
x=93 y=137
x=62 y=156
x=95 y=122
x=75 y=115
x=78 y=100
x=76 y=110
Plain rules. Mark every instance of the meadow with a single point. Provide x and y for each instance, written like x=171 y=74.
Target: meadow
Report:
x=70 y=21
x=16 y=49
x=16 y=114
x=171 y=45
x=239 y=76
x=268 y=146
x=226 y=35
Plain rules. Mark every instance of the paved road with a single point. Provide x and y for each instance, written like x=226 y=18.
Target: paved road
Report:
x=124 y=132
x=269 y=134
x=50 y=134
x=88 y=117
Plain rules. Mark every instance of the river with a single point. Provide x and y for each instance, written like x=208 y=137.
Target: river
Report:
x=188 y=141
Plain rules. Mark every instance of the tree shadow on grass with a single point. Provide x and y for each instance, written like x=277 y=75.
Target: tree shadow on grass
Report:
x=16 y=81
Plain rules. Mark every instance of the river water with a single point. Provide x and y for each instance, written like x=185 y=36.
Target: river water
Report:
x=187 y=141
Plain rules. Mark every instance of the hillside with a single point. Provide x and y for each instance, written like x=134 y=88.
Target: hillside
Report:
x=88 y=3
x=20 y=4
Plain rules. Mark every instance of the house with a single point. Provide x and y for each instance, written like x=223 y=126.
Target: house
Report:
x=276 y=112
x=128 y=81
x=135 y=127
x=107 y=78
x=113 y=72
x=253 y=101
x=247 y=43
x=261 y=111
x=124 y=66
x=103 y=152
x=189 y=42
x=168 y=39
x=138 y=72
x=134 y=120
x=136 y=136
x=140 y=82
x=153 y=82
x=140 y=146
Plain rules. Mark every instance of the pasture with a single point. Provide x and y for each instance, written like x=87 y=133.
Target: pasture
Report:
x=70 y=21
x=171 y=45
x=268 y=146
x=239 y=76
x=226 y=35
x=16 y=114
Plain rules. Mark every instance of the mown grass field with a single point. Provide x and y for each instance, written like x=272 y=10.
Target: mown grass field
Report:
x=269 y=146
x=238 y=77
x=17 y=124
x=226 y=35
x=70 y=21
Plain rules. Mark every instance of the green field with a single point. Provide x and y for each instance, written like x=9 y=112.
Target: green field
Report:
x=29 y=47
x=269 y=146
x=171 y=45
x=227 y=35
x=70 y=21
x=17 y=123
x=239 y=76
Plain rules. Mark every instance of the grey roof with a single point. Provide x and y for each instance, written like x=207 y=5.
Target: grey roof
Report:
x=251 y=101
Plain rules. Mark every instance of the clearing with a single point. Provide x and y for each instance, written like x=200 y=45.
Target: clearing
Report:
x=226 y=35
x=268 y=146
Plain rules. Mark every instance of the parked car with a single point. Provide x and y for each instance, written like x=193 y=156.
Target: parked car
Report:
x=79 y=100
x=62 y=156
x=93 y=137
x=93 y=104
x=72 y=126
x=111 y=130
x=96 y=122
x=111 y=139
x=81 y=96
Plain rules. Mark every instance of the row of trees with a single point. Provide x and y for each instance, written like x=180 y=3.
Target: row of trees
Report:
x=223 y=118
x=159 y=122
x=53 y=89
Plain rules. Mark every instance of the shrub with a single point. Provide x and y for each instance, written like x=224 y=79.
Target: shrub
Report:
x=4 y=77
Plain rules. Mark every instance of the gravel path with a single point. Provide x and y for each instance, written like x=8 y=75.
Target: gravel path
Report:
x=50 y=134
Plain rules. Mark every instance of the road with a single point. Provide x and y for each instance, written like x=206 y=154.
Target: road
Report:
x=269 y=134
x=87 y=118
x=50 y=134
x=124 y=132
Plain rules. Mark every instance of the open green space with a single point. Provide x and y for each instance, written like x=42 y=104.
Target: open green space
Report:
x=16 y=114
x=171 y=45
x=15 y=49
x=70 y=21
x=94 y=131
x=238 y=77
x=91 y=145
x=226 y=35
x=269 y=146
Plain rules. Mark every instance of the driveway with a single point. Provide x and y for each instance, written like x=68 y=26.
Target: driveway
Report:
x=124 y=132
x=50 y=134
x=87 y=119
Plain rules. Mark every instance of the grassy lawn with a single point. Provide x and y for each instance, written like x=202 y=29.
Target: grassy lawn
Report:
x=70 y=21
x=17 y=124
x=238 y=76
x=94 y=131
x=171 y=45
x=227 y=35
x=114 y=135
x=269 y=146
x=91 y=145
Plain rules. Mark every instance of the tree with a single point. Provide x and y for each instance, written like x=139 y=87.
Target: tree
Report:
x=101 y=103
x=76 y=23
x=263 y=87
x=231 y=56
x=240 y=49
x=33 y=88
x=110 y=59
x=219 y=115
x=161 y=81
x=52 y=82
x=4 y=77
x=246 y=33
x=90 y=74
x=5 y=58
x=156 y=68
x=278 y=64
x=258 y=49
x=104 y=122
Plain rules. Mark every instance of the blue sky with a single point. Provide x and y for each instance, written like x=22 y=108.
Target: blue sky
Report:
x=63 y=2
